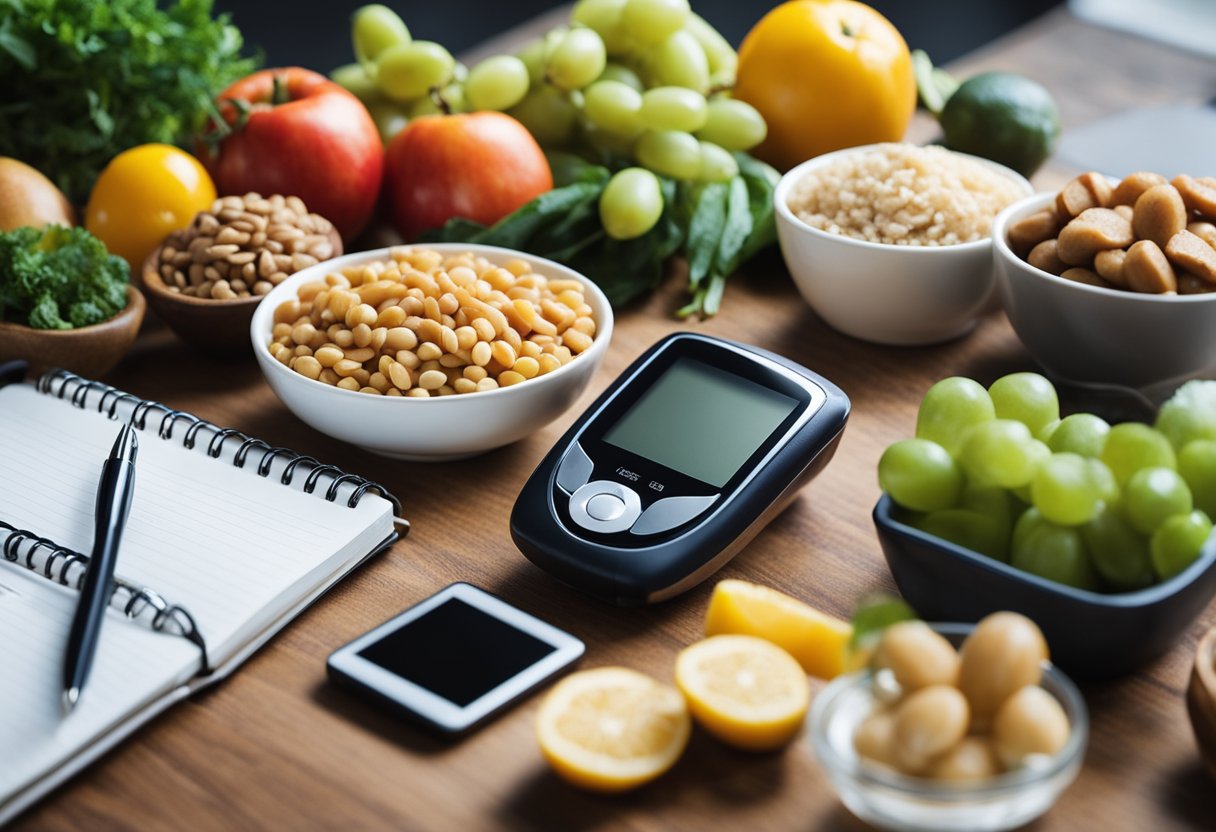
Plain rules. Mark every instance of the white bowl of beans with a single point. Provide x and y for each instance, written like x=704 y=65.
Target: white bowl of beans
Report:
x=431 y=352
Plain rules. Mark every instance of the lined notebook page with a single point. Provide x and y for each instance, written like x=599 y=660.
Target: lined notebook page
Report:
x=235 y=549
x=134 y=667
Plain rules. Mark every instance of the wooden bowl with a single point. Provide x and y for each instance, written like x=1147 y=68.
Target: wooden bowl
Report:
x=1201 y=699
x=91 y=351
x=209 y=323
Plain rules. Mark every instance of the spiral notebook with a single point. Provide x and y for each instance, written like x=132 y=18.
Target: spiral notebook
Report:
x=228 y=539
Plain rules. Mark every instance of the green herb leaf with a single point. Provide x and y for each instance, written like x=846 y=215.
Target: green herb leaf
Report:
x=59 y=278
x=874 y=614
x=737 y=228
x=705 y=225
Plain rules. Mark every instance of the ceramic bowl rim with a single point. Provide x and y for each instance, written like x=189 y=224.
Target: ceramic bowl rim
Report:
x=259 y=332
x=796 y=173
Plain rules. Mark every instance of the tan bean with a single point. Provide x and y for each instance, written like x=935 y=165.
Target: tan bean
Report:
x=929 y=722
x=329 y=356
x=408 y=359
x=527 y=367
x=1031 y=721
x=1188 y=284
x=874 y=739
x=1133 y=185
x=432 y=380
x=972 y=759
x=1089 y=277
x=1028 y=232
x=1159 y=214
x=917 y=656
x=429 y=351
x=1147 y=269
x=400 y=376
x=1205 y=231
x=1093 y=230
x=1109 y=266
x=348 y=384
x=575 y=341
x=503 y=353
x=346 y=367
x=1089 y=190
x=487 y=384
x=509 y=377
x=1189 y=253
x=474 y=373
x=1198 y=194
x=1004 y=653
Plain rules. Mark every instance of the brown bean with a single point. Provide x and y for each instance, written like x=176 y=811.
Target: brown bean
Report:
x=1188 y=284
x=927 y=723
x=1159 y=214
x=1031 y=721
x=1028 y=232
x=1046 y=257
x=1198 y=194
x=1077 y=274
x=1089 y=190
x=1134 y=184
x=1109 y=266
x=1093 y=230
x=1147 y=269
x=1189 y=253
x=1205 y=231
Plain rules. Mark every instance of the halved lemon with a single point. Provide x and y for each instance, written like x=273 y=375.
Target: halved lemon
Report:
x=744 y=690
x=612 y=729
x=818 y=641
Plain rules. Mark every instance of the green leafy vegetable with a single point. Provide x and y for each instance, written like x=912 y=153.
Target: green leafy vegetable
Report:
x=59 y=278
x=87 y=79
x=874 y=614
x=717 y=226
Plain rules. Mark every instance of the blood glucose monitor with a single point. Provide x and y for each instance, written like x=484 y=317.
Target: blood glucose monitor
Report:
x=676 y=466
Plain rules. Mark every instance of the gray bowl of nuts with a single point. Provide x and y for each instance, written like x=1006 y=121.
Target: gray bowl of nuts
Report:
x=205 y=280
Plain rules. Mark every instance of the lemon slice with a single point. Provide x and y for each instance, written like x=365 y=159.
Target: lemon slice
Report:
x=744 y=690
x=818 y=641
x=612 y=729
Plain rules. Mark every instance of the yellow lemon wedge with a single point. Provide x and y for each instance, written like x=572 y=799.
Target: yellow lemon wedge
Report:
x=611 y=729
x=744 y=690
x=818 y=641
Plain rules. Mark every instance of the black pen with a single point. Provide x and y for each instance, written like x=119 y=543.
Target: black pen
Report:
x=114 y=493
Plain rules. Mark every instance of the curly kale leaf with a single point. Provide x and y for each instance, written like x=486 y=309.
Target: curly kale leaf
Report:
x=59 y=278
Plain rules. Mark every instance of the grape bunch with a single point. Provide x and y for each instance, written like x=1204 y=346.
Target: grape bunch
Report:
x=1075 y=500
x=644 y=83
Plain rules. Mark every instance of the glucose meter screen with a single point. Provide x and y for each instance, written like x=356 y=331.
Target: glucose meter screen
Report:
x=457 y=651
x=701 y=421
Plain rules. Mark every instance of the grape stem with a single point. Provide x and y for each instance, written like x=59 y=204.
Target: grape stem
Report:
x=439 y=101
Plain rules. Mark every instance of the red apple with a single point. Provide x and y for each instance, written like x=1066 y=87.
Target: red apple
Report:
x=295 y=132
x=480 y=166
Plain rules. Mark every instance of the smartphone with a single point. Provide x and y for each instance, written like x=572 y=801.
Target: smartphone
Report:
x=454 y=660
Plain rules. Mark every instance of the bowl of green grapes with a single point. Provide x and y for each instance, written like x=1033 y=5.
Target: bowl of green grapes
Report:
x=1100 y=532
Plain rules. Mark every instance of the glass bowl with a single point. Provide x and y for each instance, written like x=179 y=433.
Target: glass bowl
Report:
x=890 y=800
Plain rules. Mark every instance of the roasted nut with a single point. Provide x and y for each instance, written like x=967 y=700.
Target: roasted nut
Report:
x=1093 y=230
x=1089 y=190
x=1028 y=232
x=1189 y=253
x=1147 y=269
x=1198 y=194
x=1046 y=257
x=230 y=251
x=1159 y=214
x=1134 y=184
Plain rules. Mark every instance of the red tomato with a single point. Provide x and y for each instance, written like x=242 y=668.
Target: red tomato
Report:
x=304 y=136
x=480 y=166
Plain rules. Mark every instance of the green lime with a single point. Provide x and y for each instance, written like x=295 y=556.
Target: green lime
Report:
x=1003 y=117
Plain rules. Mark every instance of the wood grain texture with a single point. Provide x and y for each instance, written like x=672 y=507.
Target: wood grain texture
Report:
x=276 y=747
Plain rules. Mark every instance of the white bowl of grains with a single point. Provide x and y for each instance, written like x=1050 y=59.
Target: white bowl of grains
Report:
x=431 y=352
x=890 y=242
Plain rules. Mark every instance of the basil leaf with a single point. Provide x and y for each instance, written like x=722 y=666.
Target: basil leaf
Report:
x=874 y=614
x=736 y=230
x=761 y=180
x=704 y=229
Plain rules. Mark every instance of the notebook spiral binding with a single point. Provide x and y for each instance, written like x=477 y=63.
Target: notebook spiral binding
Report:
x=137 y=602
x=76 y=389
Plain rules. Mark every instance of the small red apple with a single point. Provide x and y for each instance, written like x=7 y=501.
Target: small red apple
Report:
x=295 y=132
x=480 y=166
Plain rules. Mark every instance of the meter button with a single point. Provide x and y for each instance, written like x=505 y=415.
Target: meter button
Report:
x=605 y=506
x=665 y=515
x=575 y=469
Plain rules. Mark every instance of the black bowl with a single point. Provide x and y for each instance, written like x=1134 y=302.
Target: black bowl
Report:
x=1092 y=635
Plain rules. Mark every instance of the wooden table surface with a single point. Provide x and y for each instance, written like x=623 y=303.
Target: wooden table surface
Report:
x=275 y=746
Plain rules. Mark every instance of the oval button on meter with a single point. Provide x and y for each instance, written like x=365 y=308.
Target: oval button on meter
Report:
x=605 y=507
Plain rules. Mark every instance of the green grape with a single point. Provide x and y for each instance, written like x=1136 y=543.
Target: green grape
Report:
x=1001 y=452
x=549 y=115
x=673 y=108
x=1103 y=480
x=497 y=83
x=1131 y=446
x=533 y=56
x=619 y=72
x=717 y=165
x=1064 y=492
x=669 y=153
x=679 y=61
x=577 y=60
x=374 y=29
x=735 y=125
x=721 y=56
x=920 y=475
x=994 y=503
x=409 y=70
x=1118 y=552
x=1178 y=543
x=613 y=107
x=968 y=529
x=389 y=119
x=653 y=21
x=1080 y=433
x=606 y=143
x=1197 y=464
x=460 y=73
x=1048 y=430
x=950 y=407
x=604 y=16
x=631 y=204
x=1189 y=414
x=355 y=80
x=1057 y=553
x=1028 y=397
x=1153 y=495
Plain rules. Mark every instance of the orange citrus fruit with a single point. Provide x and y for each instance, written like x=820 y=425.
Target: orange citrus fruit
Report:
x=825 y=74
x=611 y=729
